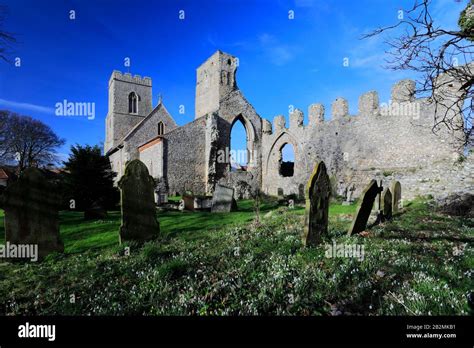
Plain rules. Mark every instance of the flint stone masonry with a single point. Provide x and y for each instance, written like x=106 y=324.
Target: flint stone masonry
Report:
x=340 y=108
x=137 y=200
x=279 y=123
x=369 y=104
x=318 y=192
x=404 y=91
x=394 y=145
x=316 y=114
x=296 y=118
x=31 y=207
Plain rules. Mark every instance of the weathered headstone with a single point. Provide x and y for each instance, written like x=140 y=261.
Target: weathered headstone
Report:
x=365 y=207
x=280 y=192
x=188 y=198
x=31 y=207
x=396 y=196
x=139 y=221
x=223 y=199
x=349 y=193
x=318 y=191
x=387 y=204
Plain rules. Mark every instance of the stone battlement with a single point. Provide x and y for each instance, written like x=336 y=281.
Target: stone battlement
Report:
x=403 y=103
x=127 y=77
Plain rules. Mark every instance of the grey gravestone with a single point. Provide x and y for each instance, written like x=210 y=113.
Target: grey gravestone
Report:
x=318 y=191
x=387 y=204
x=365 y=207
x=349 y=193
x=223 y=199
x=139 y=221
x=31 y=207
x=396 y=196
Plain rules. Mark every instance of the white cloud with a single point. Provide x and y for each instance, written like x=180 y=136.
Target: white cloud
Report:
x=278 y=53
x=26 y=106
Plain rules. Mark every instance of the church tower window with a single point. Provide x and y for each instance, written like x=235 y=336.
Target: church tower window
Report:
x=132 y=103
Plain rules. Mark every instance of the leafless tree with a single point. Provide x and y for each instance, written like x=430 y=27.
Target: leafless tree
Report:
x=6 y=38
x=27 y=142
x=3 y=132
x=443 y=61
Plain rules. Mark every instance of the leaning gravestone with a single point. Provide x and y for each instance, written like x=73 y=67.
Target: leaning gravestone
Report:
x=396 y=196
x=318 y=191
x=223 y=199
x=139 y=221
x=387 y=204
x=31 y=213
x=365 y=207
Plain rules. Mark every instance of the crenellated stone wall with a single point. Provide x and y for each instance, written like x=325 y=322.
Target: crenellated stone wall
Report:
x=392 y=141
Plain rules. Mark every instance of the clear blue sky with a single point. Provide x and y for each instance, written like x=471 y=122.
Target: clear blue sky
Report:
x=282 y=62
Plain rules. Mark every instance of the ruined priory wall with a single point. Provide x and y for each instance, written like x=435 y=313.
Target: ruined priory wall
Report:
x=235 y=107
x=378 y=143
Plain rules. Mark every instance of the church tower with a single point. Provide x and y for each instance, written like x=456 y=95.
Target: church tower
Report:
x=130 y=100
x=215 y=79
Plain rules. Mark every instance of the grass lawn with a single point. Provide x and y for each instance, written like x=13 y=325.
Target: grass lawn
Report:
x=228 y=264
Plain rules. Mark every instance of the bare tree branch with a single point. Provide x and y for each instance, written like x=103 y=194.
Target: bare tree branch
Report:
x=7 y=39
x=443 y=60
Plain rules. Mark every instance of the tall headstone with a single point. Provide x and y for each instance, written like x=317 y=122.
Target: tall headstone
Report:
x=223 y=199
x=362 y=215
x=318 y=191
x=396 y=196
x=31 y=207
x=139 y=222
x=387 y=204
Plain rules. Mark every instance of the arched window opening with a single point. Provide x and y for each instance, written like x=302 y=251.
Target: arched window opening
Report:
x=161 y=128
x=132 y=103
x=238 y=147
x=287 y=161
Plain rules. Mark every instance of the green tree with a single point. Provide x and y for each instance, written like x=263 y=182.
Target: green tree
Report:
x=88 y=180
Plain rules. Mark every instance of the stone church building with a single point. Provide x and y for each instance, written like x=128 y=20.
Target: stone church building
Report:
x=392 y=141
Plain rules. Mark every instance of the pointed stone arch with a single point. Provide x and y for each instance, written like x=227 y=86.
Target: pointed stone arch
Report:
x=283 y=139
x=250 y=138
